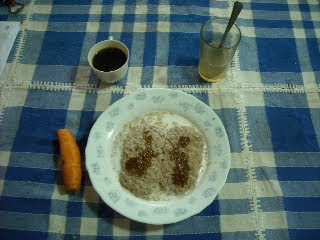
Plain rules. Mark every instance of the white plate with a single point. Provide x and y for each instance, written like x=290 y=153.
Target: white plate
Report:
x=103 y=167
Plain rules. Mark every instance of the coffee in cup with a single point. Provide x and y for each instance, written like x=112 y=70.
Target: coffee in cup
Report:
x=109 y=60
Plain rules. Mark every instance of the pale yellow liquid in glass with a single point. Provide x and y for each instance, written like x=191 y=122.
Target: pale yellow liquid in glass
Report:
x=213 y=62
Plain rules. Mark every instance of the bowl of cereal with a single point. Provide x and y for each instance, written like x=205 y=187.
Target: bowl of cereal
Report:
x=158 y=156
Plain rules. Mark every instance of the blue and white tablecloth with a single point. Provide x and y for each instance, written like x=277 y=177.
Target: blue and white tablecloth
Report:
x=269 y=103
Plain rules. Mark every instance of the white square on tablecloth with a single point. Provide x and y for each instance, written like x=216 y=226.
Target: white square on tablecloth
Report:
x=25 y=72
x=274 y=220
x=121 y=227
x=115 y=27
x=134 y=75
x=76 y=101
x=16 y=98
x=236 y=222
x=141 y=9
x=140 y=27
x=37 y=26
x=154 y=230
x=89 y=226
x=160 y=76
x=221 y=100
x=234 y=191
x=4 y=158
x=103 y=101
x=57 y=223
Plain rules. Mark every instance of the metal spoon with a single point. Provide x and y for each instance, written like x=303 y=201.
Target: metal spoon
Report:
x=237 y=7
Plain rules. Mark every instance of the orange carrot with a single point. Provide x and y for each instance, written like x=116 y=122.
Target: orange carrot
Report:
x=71 y=160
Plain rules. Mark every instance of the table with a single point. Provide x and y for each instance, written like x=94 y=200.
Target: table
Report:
x=269 y=104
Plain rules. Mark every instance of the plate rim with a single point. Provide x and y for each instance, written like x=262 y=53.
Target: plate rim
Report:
x=127 y=213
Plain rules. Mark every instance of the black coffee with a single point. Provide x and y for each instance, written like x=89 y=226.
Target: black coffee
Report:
x=109 y=59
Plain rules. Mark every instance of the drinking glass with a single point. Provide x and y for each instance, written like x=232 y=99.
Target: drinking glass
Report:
x=214 y=60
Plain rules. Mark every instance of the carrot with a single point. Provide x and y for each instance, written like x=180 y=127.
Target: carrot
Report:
x=71 y=160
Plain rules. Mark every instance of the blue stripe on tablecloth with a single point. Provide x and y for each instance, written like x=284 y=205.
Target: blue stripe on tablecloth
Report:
x=74 y=209
x=298 y=173
x=302 y=204
x=299 y=188
x=150 y=49
x=308 y=25
x=288 y=173
x=6 y=233
x=86 y=123
x=137 y=230
x=62 y=236
x=3 y=17
x=49 y=99
x=183 y=49
x=73 y=2
x=304 y=7
x=39 y=126
x=24 y=221
x=90 y=209
x=198 y=224
x=236 y=175
x=303 y=220
x=31 y=175
x=58 y=207
x=105 y=226
x=269 y=7
x=90 y=102
x=291 y=204
x=61 y=48
x=260 y=23
x=105 y=212
x=286 y=100
x=228 y=116
x=281 y=77
x=292 y=130
x=276 y=234
x=248 y=62
x=212 y=210
x=298 y=234
x=55 y=73
x=2 y=172
x=234 y=206
x=106 y=18
x=299 y=159
x=68 y=18
x=128 y=17
x=81 y=9
x=204 y=236
x=25 y=205
x=271 y=204
x=266 y=173
x=190 y=3
x=73 y=225
x=27 y=189
x=180 y=75
x=261 y=14
x=191 y=18
x=311 y=8
x=11 y=118
x=277 y=55
x=90 y=237
x=40 y=17
x=314 y=55
x=247 y=235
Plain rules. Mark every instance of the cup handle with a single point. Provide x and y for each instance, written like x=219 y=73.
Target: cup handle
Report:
x=110 y=38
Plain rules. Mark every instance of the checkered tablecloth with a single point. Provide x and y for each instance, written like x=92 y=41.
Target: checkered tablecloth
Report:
x=269 y=103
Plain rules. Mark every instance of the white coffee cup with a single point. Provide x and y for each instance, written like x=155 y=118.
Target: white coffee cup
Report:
x=111 y=76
